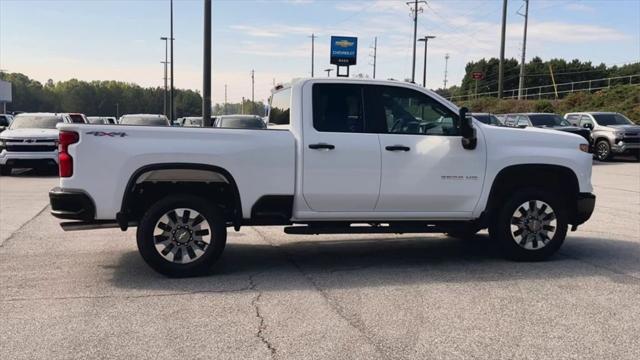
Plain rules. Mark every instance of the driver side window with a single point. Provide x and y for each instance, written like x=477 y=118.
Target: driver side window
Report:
x=407 y=111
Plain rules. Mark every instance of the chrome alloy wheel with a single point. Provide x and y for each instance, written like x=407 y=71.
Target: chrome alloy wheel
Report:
x=533 y=225
x=182 y=235
x=602 y=151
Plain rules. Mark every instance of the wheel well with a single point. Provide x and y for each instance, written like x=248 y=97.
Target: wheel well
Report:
x=154 y=182
x=602 y=138
x=558 y=179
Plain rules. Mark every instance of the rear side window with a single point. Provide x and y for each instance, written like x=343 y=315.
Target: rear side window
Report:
x=338 y=108
x=279 y=112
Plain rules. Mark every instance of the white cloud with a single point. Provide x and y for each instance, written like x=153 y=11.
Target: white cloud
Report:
x=563 y=32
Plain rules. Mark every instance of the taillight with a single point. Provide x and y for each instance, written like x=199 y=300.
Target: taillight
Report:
x=65 y=161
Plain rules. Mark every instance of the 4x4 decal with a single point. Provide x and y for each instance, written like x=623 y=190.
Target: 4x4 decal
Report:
x=104 y=133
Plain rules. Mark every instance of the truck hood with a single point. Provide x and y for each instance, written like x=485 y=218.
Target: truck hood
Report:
x=626 y=128
x=532 y=136
x=30 y=134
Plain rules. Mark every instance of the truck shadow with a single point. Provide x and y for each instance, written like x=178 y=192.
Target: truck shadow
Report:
x=349 y=263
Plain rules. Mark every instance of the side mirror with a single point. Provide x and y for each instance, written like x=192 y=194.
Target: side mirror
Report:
x=588 y=126
x=468 y=132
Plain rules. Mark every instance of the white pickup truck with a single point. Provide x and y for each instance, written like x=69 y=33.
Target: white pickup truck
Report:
x=339 y=156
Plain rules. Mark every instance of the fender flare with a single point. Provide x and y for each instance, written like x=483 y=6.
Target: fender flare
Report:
x=122 y=216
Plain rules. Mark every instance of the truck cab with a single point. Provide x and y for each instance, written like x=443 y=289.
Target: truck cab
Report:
x=338 y=156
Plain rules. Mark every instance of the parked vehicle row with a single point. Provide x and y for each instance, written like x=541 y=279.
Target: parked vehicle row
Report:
x=608 y=133
x=236 y=121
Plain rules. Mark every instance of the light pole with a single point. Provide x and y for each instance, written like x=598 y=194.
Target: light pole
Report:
x=502 y=37
x=313 y=38
x=328 y=72
x=415 y=11
x=206 y=64
x=524 y=49
x=171 y=104
x=253 y=83
x=165 y=62
x=424 y=70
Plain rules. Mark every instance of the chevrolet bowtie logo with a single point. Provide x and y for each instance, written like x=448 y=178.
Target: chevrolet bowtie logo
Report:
x=344 y=43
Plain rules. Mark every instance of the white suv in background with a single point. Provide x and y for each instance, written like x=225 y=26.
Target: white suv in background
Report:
x=30 y=141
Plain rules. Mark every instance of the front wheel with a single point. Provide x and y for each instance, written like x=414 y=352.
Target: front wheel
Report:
x=181 y=236
x=603 y=150
x=531 y=226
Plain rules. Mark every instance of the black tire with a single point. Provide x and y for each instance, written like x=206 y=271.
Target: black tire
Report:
x=513 y=248
x=147 y=241
x=602 y=151
x=5 y=170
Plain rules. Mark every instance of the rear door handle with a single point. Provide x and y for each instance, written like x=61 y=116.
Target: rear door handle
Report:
x=321 y=146
x=397 y=148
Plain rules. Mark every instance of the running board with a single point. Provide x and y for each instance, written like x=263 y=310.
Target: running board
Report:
x=91 y=225
x=317 y=230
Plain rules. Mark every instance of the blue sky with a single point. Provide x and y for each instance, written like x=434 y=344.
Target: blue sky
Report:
x=119 y=39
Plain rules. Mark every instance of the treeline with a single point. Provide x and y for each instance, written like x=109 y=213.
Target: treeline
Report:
x=537 y=73
x=246 y=107
x=624 y=99
x=107 y=98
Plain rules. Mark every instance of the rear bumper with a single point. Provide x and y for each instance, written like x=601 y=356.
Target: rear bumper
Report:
x=585 y=204
x=71 y=204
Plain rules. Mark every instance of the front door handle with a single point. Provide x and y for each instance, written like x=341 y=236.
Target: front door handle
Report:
x=397 y=148
x=321 y=146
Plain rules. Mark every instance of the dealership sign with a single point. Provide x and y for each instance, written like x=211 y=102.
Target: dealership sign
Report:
x=344 y=50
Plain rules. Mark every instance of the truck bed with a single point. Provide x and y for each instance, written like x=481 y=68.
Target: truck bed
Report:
x=262 y=162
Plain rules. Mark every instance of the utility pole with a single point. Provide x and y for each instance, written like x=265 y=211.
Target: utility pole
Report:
x=524 y=48
x=253 y=82
x=446 y=65
x=424 y=70
x=328 y=72
x=206 y=71
x=415 y=11
x=242 y=106
x=172 y=110
x=224 y=111
x=313 y=38
x=375 y=55
x=165 y=62
x=501 y=66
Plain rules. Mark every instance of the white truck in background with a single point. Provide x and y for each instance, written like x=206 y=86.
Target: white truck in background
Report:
x=339 y=156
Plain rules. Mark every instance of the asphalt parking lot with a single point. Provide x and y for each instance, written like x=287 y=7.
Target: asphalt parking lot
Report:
x=89 y=295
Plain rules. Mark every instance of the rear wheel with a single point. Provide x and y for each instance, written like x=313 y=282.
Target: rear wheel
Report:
x=603 y=150
x=181 y=235
x=531 y=226
x=5 y=170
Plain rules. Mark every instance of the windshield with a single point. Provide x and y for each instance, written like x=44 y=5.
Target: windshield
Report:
x=35 y=122
x=144 y=120
x=549 y=120
x=612 y=119
x=242 y=123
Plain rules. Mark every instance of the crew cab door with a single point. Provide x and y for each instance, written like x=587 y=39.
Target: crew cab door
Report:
x=341 y=161
x=425 y=169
